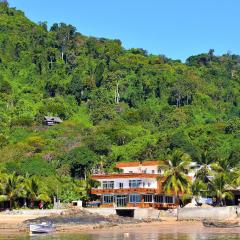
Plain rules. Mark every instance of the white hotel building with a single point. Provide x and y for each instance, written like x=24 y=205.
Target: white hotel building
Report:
x=138 y=185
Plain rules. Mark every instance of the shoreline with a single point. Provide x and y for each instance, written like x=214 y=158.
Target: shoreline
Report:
x=14 y=225
x=166 y=227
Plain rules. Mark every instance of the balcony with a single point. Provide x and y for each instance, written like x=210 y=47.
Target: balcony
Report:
x=125 y=175
x=98 y=191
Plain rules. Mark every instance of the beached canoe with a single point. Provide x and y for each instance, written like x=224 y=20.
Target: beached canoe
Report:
x=220 y=224
x=41 y=228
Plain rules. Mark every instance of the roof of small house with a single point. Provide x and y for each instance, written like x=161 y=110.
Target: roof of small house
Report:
x=234 y=188
x=53 y=119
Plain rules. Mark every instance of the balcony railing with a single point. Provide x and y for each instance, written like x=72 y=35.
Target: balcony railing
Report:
x=123 y=190
x=125 y=175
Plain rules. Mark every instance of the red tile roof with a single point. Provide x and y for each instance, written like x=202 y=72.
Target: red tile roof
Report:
x=136 y=164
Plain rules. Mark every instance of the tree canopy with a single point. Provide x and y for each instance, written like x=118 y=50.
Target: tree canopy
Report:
x=117 y=104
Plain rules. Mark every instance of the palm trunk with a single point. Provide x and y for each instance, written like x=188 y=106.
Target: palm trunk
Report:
x=10 y=203
x=25 y=202
x=178 y=199
x=32 y=203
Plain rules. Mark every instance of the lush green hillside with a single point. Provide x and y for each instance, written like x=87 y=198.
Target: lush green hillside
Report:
x=163 y=104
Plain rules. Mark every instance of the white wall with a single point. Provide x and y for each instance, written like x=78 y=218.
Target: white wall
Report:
x=215 y=213
x=149 y=182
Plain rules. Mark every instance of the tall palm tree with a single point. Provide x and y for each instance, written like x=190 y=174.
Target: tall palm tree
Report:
x=221 y=183
x=175 y=170
x=35 y=190
x=13 y=187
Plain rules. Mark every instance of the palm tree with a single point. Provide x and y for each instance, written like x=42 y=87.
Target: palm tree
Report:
x=225 y=164
x=35 y=190
x=221 y=185
x=175 y=170
x=199 y=188
x=2 y=180
x=210 y=168
x=206 y=166
x=2 y=177
x=13 y=188
x=236 y=176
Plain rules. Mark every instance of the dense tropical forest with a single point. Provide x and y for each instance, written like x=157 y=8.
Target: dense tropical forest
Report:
x=116 y=105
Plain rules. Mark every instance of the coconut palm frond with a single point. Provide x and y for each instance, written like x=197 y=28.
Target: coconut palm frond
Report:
x=44 y=197
x=228 y=195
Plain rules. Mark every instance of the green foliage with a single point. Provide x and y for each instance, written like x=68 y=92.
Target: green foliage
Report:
x=220 y=188
x=72 y=190
x=81 y=160
x=116 y=104
x=233 y=126
x=36 y=190
x=13 y=187
x=31 y=166
x=175 y=170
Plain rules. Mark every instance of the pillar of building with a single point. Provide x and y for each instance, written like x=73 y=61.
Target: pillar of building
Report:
x=142 y=200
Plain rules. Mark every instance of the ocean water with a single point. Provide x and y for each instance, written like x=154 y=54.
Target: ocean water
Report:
x=128 y=236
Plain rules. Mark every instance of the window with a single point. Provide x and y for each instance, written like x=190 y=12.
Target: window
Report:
x=134 y=198
x=130 y=171
x=108 y=184
x=120 y=185
x=149 y=184
x=169 y=199
x=148 y=198
x=135 y=183
x=158 y=199
x=107 y=198
x=153 y=171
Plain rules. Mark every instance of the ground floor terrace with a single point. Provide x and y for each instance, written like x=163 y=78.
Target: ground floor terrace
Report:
x=138 y=200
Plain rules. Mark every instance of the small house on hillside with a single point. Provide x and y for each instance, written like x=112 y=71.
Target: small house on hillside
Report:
x=50 y=121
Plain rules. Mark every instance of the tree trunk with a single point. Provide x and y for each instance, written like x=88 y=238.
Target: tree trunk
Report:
x=51 y=62
x=10 y=203
x=62 y=54
x=25 y=202
x=32 y=203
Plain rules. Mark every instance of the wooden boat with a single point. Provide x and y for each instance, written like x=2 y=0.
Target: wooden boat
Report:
x=41 y=228
x=220 y=224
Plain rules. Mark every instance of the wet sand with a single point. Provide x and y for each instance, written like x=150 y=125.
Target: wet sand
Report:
x=167 y=225
x=12 y=222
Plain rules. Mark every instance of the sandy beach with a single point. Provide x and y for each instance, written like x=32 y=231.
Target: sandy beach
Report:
x=14 y=224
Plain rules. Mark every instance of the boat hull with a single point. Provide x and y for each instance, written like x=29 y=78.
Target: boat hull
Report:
x=40 y=228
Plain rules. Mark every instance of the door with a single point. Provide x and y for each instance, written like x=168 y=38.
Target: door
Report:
x=121 y=200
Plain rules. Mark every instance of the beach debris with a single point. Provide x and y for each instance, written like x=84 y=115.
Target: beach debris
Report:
x=193 y=205
x=221 y=224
